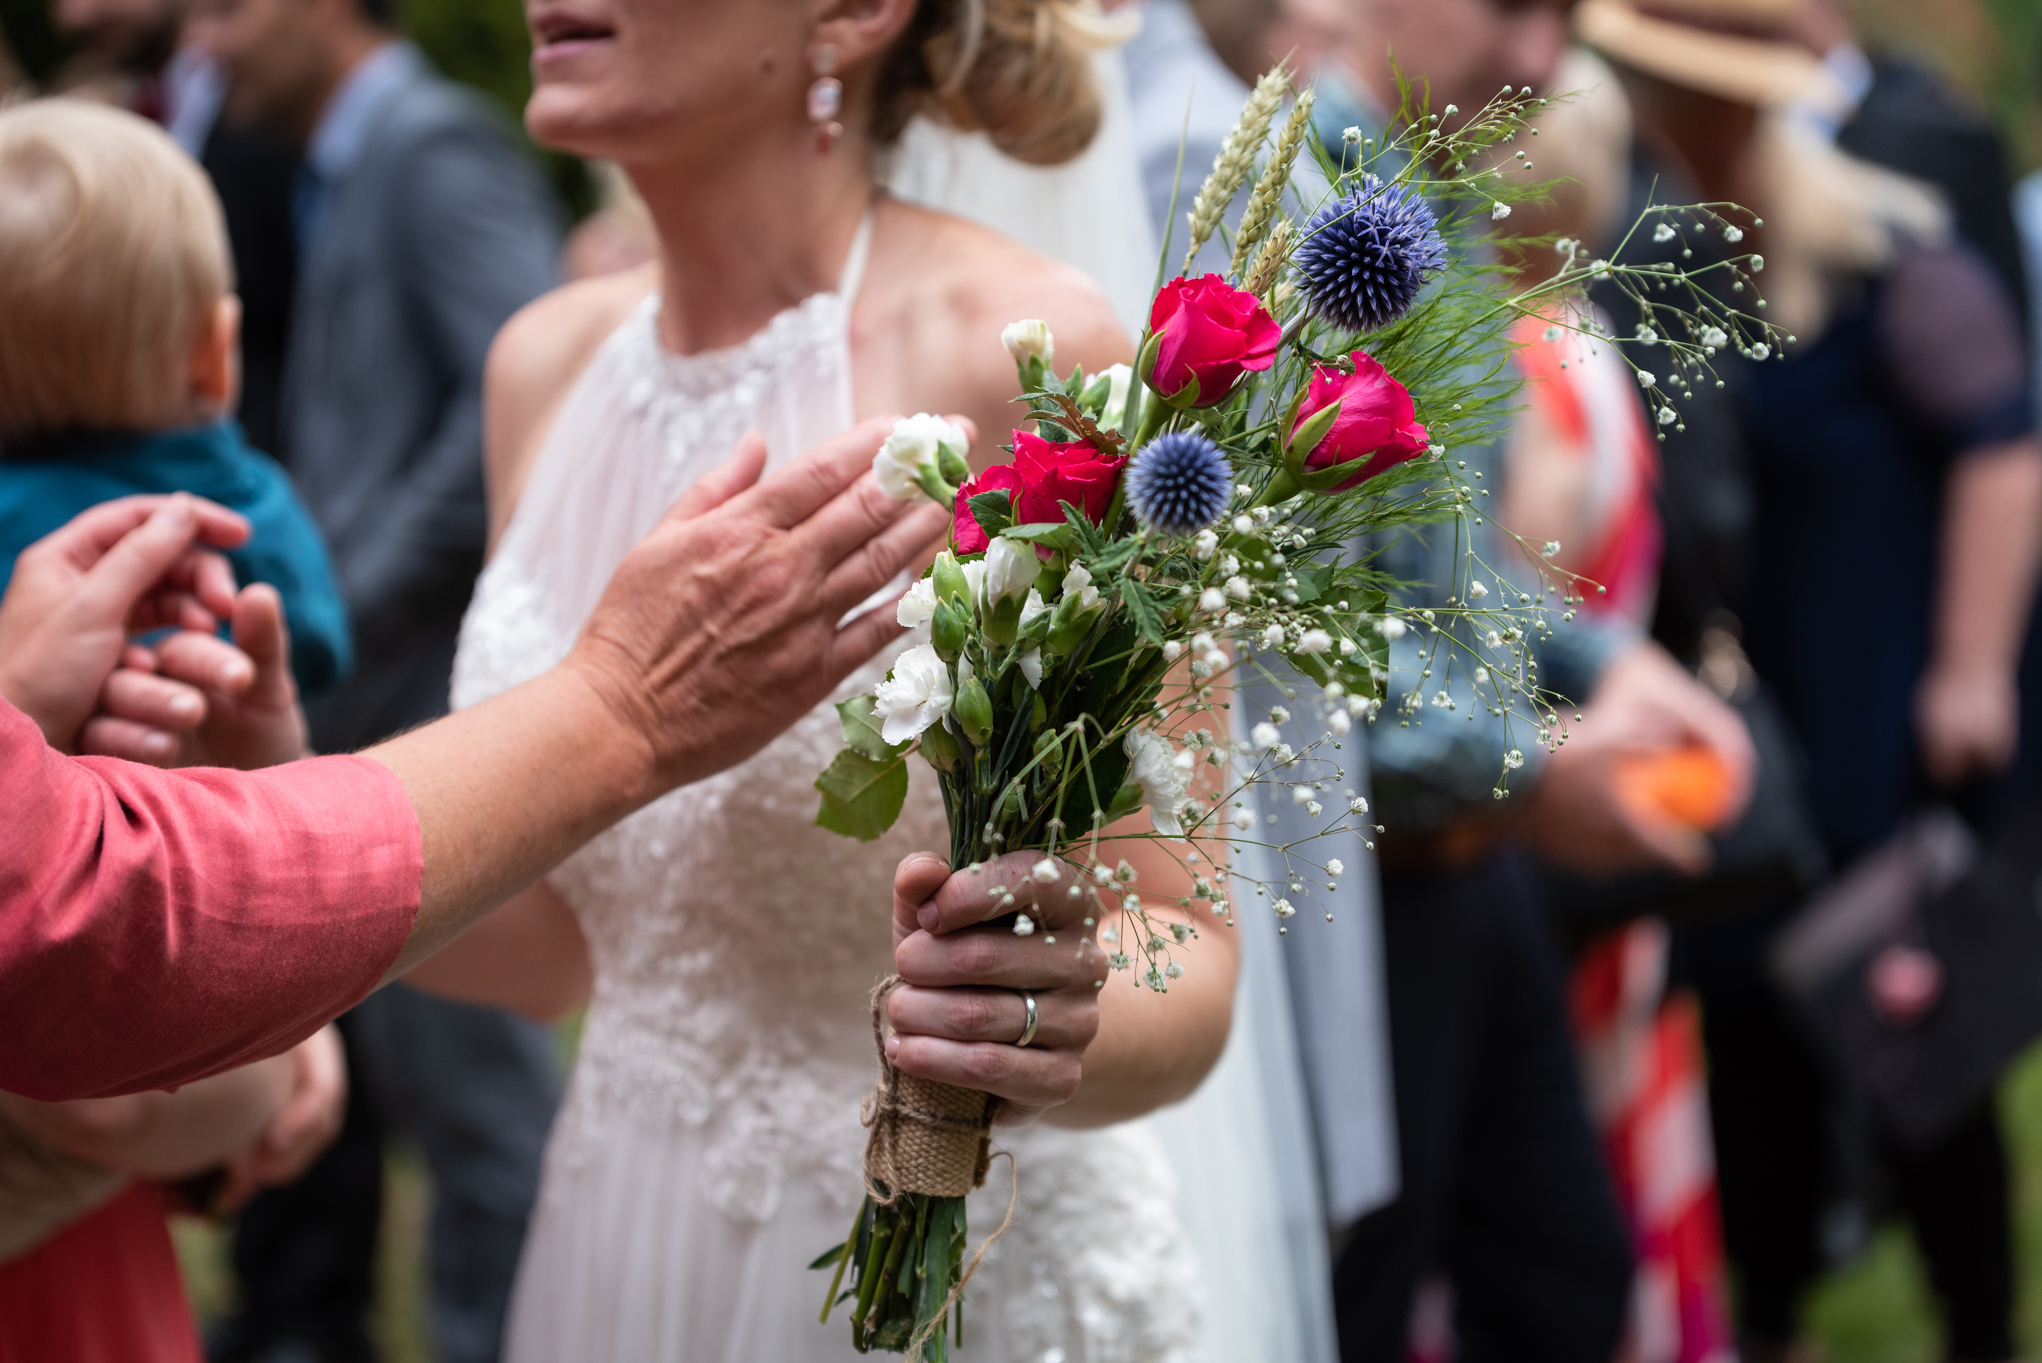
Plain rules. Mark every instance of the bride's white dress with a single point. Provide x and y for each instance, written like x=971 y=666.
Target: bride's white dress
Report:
x=709 y=1146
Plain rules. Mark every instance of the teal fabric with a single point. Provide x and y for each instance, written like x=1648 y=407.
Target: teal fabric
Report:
x=45 y=483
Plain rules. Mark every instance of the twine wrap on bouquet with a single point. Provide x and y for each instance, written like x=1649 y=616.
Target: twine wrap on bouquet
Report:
x=928 y=1138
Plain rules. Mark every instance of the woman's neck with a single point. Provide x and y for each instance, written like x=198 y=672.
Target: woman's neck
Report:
x=750 y=234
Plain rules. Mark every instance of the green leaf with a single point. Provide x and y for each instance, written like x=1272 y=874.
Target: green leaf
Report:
x=828 y=1257
x=862 y=729
x=1089 y=539
x=1055 y=536
x=861 y=797
x=994 y=511
x=1141 y=607
x=1312 y=582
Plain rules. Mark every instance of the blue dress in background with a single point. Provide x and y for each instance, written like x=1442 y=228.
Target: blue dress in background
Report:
x=45 y=483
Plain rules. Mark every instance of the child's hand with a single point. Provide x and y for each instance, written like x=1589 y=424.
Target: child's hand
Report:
x=307 y=1123
x=225 y=705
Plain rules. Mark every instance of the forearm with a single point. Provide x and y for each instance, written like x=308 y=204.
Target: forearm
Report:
x=1991 y=540
x=528 y=956
x=1154 y=1049
x=162 y=1135
x=506 y=790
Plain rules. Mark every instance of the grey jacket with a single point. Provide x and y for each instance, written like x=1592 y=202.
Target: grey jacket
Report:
x=438 y=233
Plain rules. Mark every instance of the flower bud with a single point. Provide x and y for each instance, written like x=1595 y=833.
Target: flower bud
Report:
x=951 y=583
x=949 y=627
x=1033 y=350
x=974 y=711
x=940 y=747
x=1051 y=751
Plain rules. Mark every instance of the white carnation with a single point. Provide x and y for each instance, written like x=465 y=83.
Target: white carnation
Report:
x=1010 y=569
x=1033 y=607
x=911 y=450
x=1152 y=765
x=1029 y=339
x=916 y=695
x=1078 y=583
x=1030 y=664
x=917 y=609
x=1118 y=379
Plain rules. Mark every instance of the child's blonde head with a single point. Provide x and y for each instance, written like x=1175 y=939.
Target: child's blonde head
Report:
x=113 y=263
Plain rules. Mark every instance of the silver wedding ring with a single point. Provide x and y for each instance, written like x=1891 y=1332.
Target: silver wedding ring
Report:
x=1028 y=1032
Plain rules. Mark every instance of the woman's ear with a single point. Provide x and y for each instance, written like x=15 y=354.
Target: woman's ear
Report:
x=860 y=30
x=216 y=359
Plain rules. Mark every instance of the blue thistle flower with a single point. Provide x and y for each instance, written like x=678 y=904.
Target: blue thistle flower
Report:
x=1366 y=255
x=1180 y=483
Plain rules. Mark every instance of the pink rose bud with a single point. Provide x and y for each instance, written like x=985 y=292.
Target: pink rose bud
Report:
x=1205 y=335
x=1352 y=427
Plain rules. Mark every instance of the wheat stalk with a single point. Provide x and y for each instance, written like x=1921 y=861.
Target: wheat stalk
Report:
x=1270 y=260
x=1236 y=158
x=1268 y=196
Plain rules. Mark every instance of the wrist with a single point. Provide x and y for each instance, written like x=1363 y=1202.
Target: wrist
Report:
x=614 y=732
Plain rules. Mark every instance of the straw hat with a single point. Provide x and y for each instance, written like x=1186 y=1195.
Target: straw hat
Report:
x=1741 y=50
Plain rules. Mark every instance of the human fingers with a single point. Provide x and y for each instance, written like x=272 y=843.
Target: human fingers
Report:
x=1031 y=1079
x=998 y=958
x=1657 y=840
x=723 y=482
x=915 y=881
x=1002 y=885
x=104 y=736
x=999 y=1016
x=879 y=558
x=152 y=701
x=309 y=1119
x=791 y=495
x=261 y=633
x=859 y=642
x=134 y=566
x=205 y=660
x=88 y=536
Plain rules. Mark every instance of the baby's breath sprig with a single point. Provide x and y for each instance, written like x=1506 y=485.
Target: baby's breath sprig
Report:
x=1236 y=158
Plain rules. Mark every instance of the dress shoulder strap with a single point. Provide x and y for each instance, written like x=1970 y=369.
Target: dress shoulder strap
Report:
x=854 y=263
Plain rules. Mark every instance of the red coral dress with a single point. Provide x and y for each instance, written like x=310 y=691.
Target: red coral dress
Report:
x=104 y=1289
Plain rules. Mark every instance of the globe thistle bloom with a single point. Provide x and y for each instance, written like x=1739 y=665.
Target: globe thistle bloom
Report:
x=1366 y=255
x=1180 y=484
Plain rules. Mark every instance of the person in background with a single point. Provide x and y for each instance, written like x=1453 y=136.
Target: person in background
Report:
x=1896 y=430
x=137 y=59
x=1896 y=113
x=420 y=227
x=87 y=1270
x=117 y=340
x=1505 y=1200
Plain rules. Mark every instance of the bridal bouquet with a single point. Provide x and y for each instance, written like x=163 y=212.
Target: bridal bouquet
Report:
x=1211 y=509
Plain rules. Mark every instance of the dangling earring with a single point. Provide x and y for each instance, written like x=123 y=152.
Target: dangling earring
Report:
x=825 y=98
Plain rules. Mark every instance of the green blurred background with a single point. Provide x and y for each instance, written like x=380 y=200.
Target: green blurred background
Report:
x=1875 y=1309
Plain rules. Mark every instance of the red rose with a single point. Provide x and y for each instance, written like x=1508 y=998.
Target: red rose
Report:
x=966 y=537
x=1057 y=471
x=1210 y=333
x=1044 y=474
x=1374 y=429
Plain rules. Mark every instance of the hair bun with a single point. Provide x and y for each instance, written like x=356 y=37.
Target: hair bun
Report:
x=1019 y=71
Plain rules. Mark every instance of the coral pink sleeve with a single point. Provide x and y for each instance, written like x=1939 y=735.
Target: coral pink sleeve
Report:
x=160 y=926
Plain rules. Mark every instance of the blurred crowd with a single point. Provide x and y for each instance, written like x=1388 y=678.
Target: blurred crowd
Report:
x=1730 y=980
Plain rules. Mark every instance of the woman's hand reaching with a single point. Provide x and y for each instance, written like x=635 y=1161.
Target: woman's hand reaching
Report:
x=964 y=1006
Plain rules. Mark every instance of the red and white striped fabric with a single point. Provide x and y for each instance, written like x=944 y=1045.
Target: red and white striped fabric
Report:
x=1641 y=1060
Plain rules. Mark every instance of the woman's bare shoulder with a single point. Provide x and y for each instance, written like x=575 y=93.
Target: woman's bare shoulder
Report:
x=942 y=289
x=534 y=362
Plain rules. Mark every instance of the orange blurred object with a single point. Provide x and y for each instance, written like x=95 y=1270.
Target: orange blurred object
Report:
x=1688 y=785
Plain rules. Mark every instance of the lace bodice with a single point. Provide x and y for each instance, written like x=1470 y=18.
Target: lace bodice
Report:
x=734 y=942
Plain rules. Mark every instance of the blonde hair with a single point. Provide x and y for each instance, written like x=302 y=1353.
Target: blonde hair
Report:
x=1019 y=71
x=113 y=258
